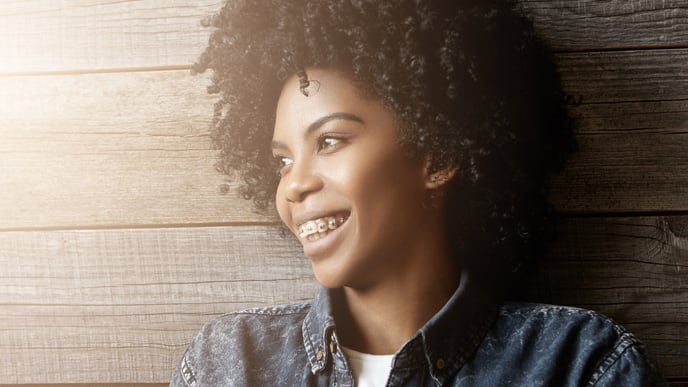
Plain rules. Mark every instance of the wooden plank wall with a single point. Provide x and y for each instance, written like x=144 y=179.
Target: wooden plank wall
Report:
x=118 y=239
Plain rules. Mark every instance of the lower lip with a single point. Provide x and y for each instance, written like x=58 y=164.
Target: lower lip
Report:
x=322 y=247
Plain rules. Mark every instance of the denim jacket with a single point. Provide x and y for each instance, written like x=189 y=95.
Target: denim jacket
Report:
x=469 y=342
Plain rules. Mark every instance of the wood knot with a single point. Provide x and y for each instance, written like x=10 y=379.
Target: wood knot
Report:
x=678 y=231
x=678 y=225
x=224 y=188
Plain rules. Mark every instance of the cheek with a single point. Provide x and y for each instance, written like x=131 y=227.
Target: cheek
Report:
x=392 y=176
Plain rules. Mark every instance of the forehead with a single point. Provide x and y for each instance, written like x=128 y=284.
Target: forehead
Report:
x=330 y=91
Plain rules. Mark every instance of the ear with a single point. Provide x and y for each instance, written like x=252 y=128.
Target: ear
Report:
x=438 y=177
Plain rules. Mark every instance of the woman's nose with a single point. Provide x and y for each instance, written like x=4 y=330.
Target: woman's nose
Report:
x=301 y=181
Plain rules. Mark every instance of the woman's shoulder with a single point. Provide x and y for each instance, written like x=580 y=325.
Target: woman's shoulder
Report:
x=556 y=326
x=258 y=319
x=569 y=346
x=234 y=346
x=544 y=316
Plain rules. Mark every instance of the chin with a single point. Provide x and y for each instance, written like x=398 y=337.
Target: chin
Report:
x=328 y=280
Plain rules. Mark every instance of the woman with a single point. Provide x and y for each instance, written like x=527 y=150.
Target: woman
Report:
x=411 y=141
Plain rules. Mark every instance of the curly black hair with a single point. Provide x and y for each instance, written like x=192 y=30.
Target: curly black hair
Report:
x=471 y=84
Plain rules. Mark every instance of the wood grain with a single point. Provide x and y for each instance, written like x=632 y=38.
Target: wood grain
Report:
x=120 y=306
x=110 y=149
x=39 y=36
x=632 y=114
x=90 y=385
x=625 y=173
x=625 y=76
x=588 y=25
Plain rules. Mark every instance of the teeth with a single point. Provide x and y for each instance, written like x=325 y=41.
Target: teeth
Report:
x=318 y=228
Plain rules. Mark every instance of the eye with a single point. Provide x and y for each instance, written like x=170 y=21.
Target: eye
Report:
x=329 y=143
x=282 y=162
x=285 y=161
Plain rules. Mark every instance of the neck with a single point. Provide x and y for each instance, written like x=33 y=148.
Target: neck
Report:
x=380 y=318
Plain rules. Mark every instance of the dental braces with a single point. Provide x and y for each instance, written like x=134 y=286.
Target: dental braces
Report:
x=320 y=225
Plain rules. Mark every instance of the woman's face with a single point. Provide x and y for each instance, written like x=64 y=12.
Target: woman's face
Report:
x=348 y=192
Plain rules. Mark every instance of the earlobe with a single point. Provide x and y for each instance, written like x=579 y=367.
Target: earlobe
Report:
x=438 y=178
x=436 y=184
x=437 y=175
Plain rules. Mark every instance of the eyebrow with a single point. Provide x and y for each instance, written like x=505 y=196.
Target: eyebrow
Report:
x=315 y=125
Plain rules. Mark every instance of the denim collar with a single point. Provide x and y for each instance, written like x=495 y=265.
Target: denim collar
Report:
x=443 y=344
x=318 y=331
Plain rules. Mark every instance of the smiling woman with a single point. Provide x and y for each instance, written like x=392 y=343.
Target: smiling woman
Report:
x=407 y=145
x=345 y=163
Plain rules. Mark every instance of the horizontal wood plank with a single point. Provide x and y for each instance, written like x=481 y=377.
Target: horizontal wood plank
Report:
x=586 y=25
x=625 y=173
x=120 y=306
x=110 y=149
x=40 y=36
x=133 y=148
x=89 y=385
x=625 y=76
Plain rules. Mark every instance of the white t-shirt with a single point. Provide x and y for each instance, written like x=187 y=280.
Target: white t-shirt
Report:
x=369 y=370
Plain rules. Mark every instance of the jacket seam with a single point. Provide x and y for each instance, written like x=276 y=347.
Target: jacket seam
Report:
x=187 y=372
x=626 y=343
x=275 y=311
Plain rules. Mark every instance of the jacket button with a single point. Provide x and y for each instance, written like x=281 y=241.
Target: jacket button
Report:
x=319 y=355
x=439 y=363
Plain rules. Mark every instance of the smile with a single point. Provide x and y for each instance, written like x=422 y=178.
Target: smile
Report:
x=318 y=228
